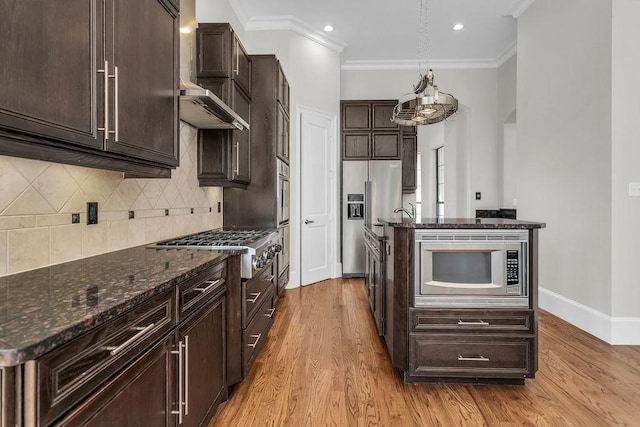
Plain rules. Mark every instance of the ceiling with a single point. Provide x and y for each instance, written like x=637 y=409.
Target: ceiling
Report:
x=385 y=34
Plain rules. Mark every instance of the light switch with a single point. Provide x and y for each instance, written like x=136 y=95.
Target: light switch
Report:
x=634 y=189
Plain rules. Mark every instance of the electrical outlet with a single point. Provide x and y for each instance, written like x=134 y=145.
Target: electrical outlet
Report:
x=191 y=210
x=634 y=189
x=92 y=213
x=166 y=212
x=478 y=195
x=132 y=214
x=219 y=206
x=75 y=218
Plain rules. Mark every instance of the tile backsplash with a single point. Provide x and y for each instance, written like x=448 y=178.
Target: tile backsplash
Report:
x=37 y=200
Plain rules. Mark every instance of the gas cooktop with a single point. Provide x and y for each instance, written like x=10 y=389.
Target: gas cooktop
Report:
x=220 y=239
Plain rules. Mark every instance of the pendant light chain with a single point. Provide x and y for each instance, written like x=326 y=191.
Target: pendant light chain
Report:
x=423 y=37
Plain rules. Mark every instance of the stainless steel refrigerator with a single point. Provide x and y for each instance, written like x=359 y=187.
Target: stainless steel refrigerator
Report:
x=370 y=190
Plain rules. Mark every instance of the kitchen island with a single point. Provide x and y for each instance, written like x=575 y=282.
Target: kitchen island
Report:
x=478 y=321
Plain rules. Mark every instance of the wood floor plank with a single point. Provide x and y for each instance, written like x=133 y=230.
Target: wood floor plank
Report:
x=323 y=364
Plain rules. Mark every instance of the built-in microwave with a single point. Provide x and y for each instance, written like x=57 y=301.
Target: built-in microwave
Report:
x=471 y=268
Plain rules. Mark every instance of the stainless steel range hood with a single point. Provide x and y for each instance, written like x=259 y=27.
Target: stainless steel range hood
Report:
x=203 y=109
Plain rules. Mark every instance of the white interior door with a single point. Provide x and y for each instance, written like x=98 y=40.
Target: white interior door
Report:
x=317 y=173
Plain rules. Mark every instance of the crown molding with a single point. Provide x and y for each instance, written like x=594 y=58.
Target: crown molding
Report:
x=291 y=23
x=412 y=64
x=507 y=54
x=518 y=8
x=240 y=12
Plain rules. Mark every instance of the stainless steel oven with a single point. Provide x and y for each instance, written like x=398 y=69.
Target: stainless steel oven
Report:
x=476 y=268
x=283 y=192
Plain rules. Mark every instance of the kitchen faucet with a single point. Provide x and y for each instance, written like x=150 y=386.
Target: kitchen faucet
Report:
x=409 y=214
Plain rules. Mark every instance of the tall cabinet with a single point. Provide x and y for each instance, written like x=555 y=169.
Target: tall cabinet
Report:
x=265 y=200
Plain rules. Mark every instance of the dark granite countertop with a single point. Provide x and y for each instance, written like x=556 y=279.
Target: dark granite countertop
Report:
x=479 y=223
x=44 y=308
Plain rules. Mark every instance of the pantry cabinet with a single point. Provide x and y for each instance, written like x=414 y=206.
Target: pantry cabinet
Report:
x=102 y=93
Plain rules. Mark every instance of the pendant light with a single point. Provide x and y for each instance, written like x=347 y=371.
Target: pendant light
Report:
x=426 y=104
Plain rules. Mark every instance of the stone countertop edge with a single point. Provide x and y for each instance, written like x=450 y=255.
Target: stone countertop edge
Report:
x=461 y=223
x=19 y=346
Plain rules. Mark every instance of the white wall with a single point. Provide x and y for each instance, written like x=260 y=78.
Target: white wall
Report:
x=625 y=137
x=564 y=147
x=477 y=94
x=507 y=141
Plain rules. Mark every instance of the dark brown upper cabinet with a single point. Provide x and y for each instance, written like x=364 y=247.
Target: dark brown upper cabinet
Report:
x=221 y=55
x=367 y=131
x=223 y=67
x=97 y=87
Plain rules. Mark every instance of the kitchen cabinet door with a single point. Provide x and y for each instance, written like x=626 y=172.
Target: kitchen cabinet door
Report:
x=51 y=82
x=355 y=146
x=142 y=51
x=140 y=395
x=409 y=165
x=356 y=116
x=202 y=339
x=282 y=134
x=242 y=69
x=385 y=145
x=382 y=112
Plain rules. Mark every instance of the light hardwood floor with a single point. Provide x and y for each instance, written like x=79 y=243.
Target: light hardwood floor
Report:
x=323 y=364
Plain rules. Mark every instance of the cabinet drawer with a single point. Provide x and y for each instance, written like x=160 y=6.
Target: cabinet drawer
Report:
x=256 y=333
x=194 y=292
x=254 y=292
x=472 y=321
x=69 y=373
x=469 y=356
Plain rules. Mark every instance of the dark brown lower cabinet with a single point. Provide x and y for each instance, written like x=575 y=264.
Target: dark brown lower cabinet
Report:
x=201 y=379
x=375 y=277
x=138 y=396
x=471 y=343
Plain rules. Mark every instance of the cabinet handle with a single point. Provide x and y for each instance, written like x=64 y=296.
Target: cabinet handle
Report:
x=257 y=337
x=479 y=358
x=142 y=331
x=271 y=311
x=186 y=375
x=237 y=171
x=105 y=128
x=478 y=323
x=237 y=70
x=212 y=284
x=117 y=101
x=255 y=296
x=180 y=380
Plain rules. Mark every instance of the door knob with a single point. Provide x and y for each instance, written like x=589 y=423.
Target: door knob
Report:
x=306 y=221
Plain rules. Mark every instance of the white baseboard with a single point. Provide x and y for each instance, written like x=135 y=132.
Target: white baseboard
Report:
x=613 y=330
x=294 y=280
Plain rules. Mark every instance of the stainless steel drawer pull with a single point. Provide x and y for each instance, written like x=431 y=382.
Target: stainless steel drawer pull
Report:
x=271 y=311
x=186 y=374
x=479 y=358
x=212 y=284
x=257 y=337
x=142 y=331
x=180 y=380
x=105 y=128
x=255 y=296
x=478 y=323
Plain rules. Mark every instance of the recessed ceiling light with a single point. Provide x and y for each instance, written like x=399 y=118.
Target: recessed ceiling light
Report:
x=458 y=27
x=328 y=28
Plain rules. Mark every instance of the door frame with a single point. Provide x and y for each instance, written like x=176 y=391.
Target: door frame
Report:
x=295 y=275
